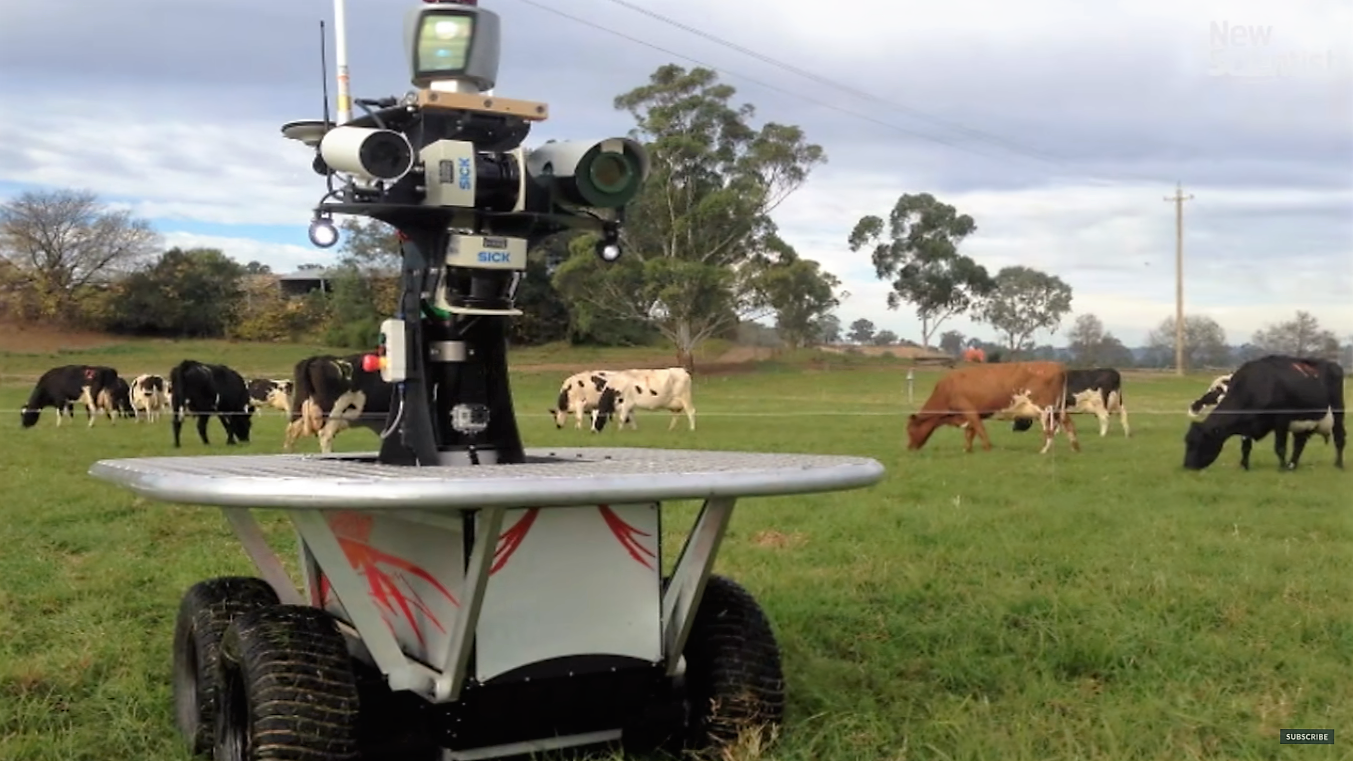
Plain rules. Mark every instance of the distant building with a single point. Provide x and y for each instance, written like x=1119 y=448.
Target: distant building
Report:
x=301 y=282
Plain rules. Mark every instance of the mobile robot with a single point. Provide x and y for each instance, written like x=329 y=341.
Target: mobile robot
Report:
x=463 y=597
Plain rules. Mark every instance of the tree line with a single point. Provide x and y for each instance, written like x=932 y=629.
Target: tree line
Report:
x=702 y=257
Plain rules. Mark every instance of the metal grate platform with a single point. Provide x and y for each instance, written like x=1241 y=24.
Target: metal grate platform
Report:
x=550 y=477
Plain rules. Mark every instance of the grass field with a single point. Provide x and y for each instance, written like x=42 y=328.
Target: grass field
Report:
x=999 y=605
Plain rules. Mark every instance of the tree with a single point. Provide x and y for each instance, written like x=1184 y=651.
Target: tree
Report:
x=1301 y=336
x=829 y=329
x=798 y=291
x=921 y=257
x=194 y=293
x=884 y=338
x=1112 y=353
x=65 y=240
x=861 y=331
x=951 y=342
x=1024 y=301
x=702 y=217
x=1085 y=340
x=257 y=268
x=369 y=244
x=1204 y=343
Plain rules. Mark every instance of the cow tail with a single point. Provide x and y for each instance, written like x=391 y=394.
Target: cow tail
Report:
x=180 y=395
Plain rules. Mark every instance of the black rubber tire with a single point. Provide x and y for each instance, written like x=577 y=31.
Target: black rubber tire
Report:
x=734 y=681
x=288 y=689
x=206 y=610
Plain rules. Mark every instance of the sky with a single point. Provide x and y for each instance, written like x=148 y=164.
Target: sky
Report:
x=1060 y=127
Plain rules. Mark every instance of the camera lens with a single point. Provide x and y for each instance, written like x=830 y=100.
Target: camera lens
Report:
x=610 y=172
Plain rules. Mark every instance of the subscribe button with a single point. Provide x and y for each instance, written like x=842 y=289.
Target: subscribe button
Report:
x=1307 y=737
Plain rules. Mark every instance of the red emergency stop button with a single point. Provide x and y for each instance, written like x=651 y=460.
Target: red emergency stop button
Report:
x=371 y=362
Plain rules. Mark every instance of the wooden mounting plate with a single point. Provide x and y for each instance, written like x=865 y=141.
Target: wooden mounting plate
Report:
x=525 y=109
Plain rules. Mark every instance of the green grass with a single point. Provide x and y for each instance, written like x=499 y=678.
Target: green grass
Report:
x=999 y=605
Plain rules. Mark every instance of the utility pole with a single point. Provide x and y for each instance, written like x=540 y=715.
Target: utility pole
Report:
x=1179 y=198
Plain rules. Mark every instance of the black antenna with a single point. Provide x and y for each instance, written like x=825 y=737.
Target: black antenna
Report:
x=324 y=75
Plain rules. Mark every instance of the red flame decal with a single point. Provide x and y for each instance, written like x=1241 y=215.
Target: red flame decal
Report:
x=626 y=534
x=510 y=541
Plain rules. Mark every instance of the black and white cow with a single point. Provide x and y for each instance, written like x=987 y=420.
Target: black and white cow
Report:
x=331 y=394
x=1214 y=394
x=1275 y=394
x=665 y=389
x=580 y=393
x=148 y=395
x=59 y=387
x=204 y=390
x=113 y=400
x=267 y=392
x=1098 y=391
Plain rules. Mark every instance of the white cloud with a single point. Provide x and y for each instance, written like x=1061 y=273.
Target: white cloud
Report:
x=281 y=257
x=1113 y=245
x=1116 y=92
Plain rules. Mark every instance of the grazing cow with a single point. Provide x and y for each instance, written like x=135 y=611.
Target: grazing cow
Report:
x=1275 y=394
x=59 y=387
x=1008 y=390
x=271 y=393
x=1098 y=391
x=113 y=401
x=203 y=390
x=331 y=394
x=147 y=395
x=1214 y=394
x=666 y=389
x=581 y=393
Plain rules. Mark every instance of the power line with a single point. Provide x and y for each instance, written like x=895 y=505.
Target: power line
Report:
x=916 y=113
x=1016 y=151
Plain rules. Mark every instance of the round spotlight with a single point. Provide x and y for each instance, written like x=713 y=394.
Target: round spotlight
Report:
x=609 y=251
x=323 y=233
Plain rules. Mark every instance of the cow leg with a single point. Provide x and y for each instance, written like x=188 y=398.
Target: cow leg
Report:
x=1103 y=416
x=1246 y=445
x=229 y=429
x=1298 y=444
x=1340 y=438
x=690 y=415
x=975 y=428
x=1280 y=446
x=969 y=433
x=1052 y=419
x=1122 y=417
x=202 y=420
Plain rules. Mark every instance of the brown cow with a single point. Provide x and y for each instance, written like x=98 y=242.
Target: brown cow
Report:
x=1008 y=390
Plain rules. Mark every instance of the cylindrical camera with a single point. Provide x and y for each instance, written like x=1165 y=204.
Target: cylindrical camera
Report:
x=374 y=154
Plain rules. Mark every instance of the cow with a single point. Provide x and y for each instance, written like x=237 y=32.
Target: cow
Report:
x=112 y=400
x=266 y=392
x=331 y=394
x=147 y=394
x=665 y=389
x=581 y=393
x=1215 y=392
x=1099 y=391
x=59 y=387
x=202 y=390
x=1008 y=390
x=1276 y=394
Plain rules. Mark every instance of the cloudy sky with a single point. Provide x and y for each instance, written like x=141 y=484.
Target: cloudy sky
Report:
x=1059 y=125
